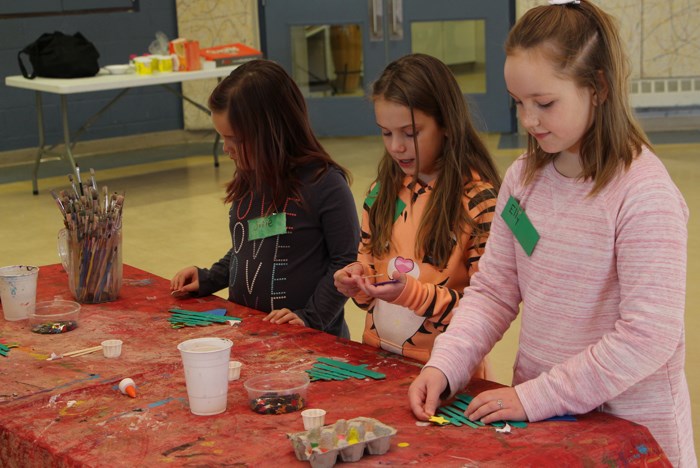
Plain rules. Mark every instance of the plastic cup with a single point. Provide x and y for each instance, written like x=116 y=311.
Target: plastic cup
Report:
x=18 y=291
x=144 y=65
x=205 y=361
x=234 y=370
x=313 y=418
x=111 y=348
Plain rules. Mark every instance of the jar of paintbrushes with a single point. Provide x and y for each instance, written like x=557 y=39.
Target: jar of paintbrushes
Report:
x=90 y=245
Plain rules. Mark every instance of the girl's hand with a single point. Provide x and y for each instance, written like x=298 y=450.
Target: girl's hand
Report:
x=387 y=292
x=500 y=404
x=424 y=392
x=185 y=280
x=346 y=279
x=280 y=316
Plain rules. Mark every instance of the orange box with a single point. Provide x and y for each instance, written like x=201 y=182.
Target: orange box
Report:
x=187 y=52
x=230 y=54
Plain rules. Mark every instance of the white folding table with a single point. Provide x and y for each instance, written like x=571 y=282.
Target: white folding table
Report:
x=100 y=82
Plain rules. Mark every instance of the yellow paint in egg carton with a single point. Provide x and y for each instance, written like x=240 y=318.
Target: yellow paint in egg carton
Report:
x=348 y=439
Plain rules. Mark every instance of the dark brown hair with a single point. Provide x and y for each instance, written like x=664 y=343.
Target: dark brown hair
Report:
x=583 y=44
x=268 y=116
x=422 y=82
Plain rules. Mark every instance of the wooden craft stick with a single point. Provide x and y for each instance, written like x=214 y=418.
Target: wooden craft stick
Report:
x=339 y=371
x=327 y=375
x=212 y=317
x=350 y=367
x=448 y=417
x=373 y=276
x=80 y=352
x=459 y=416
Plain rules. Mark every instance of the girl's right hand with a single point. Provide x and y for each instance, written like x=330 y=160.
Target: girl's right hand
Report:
x=185 y=280
x=346 y=279
x=424 y=393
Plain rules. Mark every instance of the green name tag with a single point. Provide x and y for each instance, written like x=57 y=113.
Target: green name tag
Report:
x=372 y=197
x=520 y=224
x=267 y=226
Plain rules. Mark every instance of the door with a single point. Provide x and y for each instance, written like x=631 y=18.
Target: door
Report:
x=334 y=49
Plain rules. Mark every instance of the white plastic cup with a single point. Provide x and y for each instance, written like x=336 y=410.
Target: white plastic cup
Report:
x=205 y=361
x=234 y=370
x=112 y=348
x=313 y=418
x=18 y=291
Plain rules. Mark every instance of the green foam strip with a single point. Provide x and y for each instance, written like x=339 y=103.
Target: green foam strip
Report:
x=350 y=367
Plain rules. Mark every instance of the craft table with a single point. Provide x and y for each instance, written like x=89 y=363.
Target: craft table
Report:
x=101 y=82
x=69 y=412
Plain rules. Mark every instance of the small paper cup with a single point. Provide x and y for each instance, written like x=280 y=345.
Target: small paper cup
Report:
x=313 y=418
x=112 y=348
x=234 y=370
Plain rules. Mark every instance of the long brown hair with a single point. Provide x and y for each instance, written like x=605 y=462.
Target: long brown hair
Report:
x=268 y=116
x=584 y=45
x=422 y=82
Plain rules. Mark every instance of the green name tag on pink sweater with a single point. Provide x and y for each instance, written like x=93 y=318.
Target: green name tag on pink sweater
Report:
x=518 y=222
x=267 y=226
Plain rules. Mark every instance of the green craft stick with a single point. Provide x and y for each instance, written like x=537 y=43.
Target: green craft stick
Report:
x=468 y=399
x=314 y=375
x=350 y=367
x=463 y=406
x=450 y=419
x=327 y=375
x=4 y=347
x=4 y=353
x=459 y=416
x=187 y=318
x=212 y=317
x=337 y=370
x=464 y=397
x=332 y=375
x=520 y=424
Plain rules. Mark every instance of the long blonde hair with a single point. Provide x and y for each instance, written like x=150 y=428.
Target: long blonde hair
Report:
x=583 y=44
x=422 y=82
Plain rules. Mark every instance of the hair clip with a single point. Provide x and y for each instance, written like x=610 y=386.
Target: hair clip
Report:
x=564 y=2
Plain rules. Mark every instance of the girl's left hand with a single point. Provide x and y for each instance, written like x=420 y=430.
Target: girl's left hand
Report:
x=500 y=404
x=280 y=316
x=386 y=292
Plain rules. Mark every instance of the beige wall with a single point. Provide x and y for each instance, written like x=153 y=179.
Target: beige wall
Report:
x=662 y=37
x=213 y=22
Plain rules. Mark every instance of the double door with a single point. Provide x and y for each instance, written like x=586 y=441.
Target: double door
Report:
x=335 y=49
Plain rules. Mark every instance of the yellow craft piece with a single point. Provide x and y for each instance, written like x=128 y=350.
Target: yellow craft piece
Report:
x=353 y=436
x=439 y=420
x=403 y=444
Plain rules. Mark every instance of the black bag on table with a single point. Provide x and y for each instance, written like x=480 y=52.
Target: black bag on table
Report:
x=57 y=55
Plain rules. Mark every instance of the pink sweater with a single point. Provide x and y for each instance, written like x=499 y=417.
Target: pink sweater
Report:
x=603 y=298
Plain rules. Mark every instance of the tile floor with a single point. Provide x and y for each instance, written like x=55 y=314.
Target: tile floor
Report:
x=174 y=216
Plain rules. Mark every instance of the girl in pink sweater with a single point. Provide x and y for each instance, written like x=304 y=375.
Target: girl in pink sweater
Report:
x=590 y=236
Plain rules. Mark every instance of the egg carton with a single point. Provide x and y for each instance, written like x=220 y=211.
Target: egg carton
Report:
x=347 y=439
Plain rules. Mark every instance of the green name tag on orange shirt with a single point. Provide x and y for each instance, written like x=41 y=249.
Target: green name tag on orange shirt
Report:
x=518 y=222
x=267 y=226
x=372 y=197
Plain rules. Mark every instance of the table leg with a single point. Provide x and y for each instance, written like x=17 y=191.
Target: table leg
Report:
x=215 y=150
x=66 y=135
x=42 y=142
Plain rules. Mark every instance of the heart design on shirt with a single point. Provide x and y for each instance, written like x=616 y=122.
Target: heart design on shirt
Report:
x=404 y=265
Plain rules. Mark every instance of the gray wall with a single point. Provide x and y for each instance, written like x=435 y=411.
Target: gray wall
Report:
x=116 y=36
